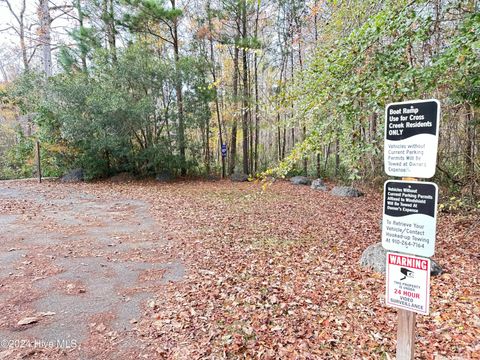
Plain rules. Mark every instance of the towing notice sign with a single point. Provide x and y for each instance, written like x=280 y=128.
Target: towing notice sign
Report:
x=411 y=138
x=409 y=217
x=408 y=283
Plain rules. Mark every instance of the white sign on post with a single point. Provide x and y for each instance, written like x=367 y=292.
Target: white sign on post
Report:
x=411 y=138
x=408 y=283
x=410 y=217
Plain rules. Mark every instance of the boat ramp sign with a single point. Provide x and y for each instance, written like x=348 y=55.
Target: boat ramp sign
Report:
x=411 y=138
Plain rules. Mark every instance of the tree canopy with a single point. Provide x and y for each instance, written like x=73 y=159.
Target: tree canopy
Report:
x=289 y=87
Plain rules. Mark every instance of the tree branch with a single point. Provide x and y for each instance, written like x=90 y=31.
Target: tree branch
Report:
x=450 y=177
x=33 y=52
x=159 y=36
x=13 y=12
x=7 y=28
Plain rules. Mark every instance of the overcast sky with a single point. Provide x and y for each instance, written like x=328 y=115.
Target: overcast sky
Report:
x=6 y=19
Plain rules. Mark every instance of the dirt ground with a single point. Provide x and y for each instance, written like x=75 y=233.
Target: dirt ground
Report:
x=213 y=270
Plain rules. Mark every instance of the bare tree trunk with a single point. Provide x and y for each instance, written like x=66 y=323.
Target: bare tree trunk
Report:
x=470 y=149
x=319 y=172
x=250 y=124
x=315 y=26
x=257 y=109
x=83 y=55
x=305 y=160
x=245 y=104
x=337 y=154
x=20 y=17
x=109 y=26
x=281 y=145
x=207 y=145
x=179 y=95
x=372 y=136
x=217 y=107
x=112 y=31
x=4 y=73
x=233 y=142
x=373 y=127
x=327 y=155
x=23 y=47
x=292 y=115
x=45 y=39
x=279 y=137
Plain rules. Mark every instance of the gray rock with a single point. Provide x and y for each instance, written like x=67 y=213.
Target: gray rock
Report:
x=435 y=269
x=164 y=176
x=300 y=180
x=239 y=177
x=75 y=175
x=346 y=191
x=212 y=177
x=123 y=177
x=318 y=184
x=375 y=257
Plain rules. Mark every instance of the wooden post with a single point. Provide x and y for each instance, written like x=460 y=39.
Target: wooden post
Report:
x=406 y=326
x=406 y=335
x=39 y=167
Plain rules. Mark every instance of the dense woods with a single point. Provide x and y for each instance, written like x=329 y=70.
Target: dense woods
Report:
x=104 y=96
x=289 y=87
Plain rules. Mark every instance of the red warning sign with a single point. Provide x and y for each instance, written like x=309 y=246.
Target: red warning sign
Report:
x=408 y=282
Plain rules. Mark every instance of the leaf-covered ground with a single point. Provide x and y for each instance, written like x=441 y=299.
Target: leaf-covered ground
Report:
x=274 y=273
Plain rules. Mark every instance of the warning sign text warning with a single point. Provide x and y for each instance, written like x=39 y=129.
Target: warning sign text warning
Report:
x=408 y=282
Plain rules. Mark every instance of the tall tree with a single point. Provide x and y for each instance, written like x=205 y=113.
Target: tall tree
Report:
x=233 y=140
x=245 y=98
x=215 y=85
x=178 y=89
x=149 y=18
x=233 y=10
x=20 y=29
x=108 y=17
x=44 y=36
x=83 y=49
x=257 y=97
